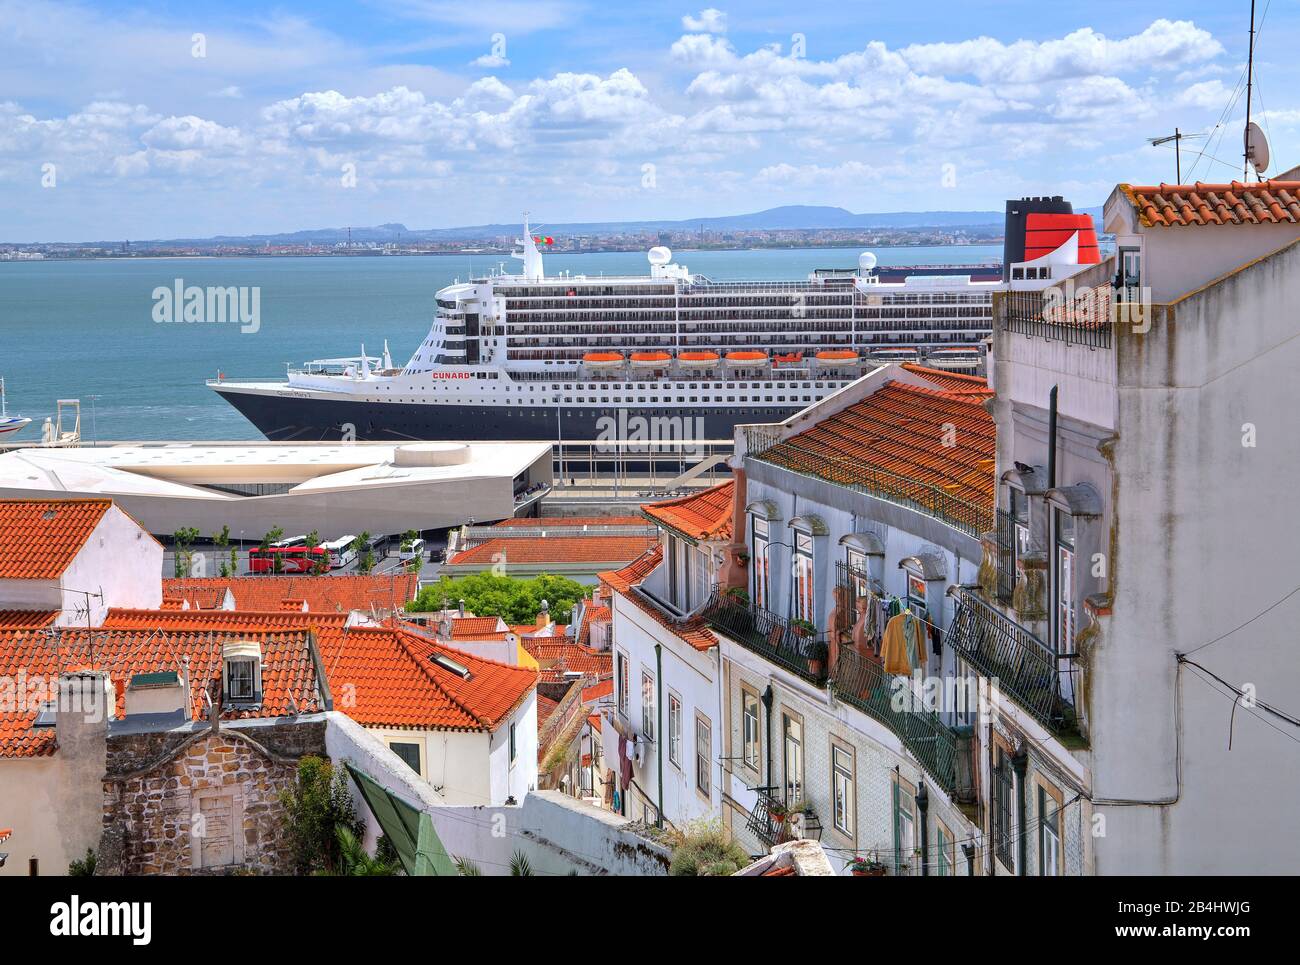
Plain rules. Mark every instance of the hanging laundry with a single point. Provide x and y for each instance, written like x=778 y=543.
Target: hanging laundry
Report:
x=624 y=762
x=936 y=640
x=903 y=647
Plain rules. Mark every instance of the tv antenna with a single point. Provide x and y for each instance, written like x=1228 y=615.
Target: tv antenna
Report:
x=1255 y=144
x=1177 y=137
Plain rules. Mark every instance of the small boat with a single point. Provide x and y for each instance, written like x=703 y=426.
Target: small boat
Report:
x=744 y=358
x=651 y=359
x=603 y=360
x=793 y=358
x=697 y=360
x=10 y=425
x=837 y=357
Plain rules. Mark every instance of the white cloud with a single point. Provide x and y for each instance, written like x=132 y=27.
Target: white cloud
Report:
x=231 y=91
x=490 y=61
x=711 y=21
x=1207 y=94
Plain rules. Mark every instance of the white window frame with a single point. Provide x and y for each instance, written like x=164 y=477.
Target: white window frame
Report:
x=803 y=586
x=752 y=760
x=703 y=756
x=843 y=788
x=647 y=704
x=623 y=682
x=760 y=564
x=674 y=730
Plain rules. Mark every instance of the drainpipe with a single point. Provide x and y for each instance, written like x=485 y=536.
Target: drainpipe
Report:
x=923 y=808
x=1020 y=764
x=1051 y=439
x=659 y=724
x=767 y=704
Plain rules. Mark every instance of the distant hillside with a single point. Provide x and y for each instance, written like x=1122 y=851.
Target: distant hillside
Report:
x=786 y=217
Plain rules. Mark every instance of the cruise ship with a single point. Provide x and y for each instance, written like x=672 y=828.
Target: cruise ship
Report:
x=567 y=357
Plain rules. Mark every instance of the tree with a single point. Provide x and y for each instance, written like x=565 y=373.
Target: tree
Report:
x=315 y=807
x=365 y=554
x=353 y=860
x=416 y=562
x=513 y=599
x=222 y=542
x=83 y=867
x=182 y=557
x=320 y=564
x=273 y=535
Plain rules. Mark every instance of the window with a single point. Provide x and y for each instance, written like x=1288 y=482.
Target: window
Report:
x=803 y=577
x=514 y=745
x=674 y=729
x=410 y=753
x=843 y=801
x=759 y=563
x=749 y=728
x=1049 y=832
x=1020 y=520
x=904 y=827
x=241 y=680
x=916 y=595
x=946 y=858
x=703 y=756
x=671 y=551
x=1002 y=785
x=792 y=732
x=647 y=705
x=623 y=683
x=1064 y=526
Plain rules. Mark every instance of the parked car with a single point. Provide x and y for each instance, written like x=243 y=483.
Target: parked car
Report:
x=411 y=551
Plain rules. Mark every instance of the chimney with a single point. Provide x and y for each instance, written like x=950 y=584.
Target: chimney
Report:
x=460 y=607
x=544 y=615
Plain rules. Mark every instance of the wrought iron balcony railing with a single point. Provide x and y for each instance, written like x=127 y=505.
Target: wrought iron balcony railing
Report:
x=1024 y=667
x=1006 y=539
x=1082 y=320
x=862 y=683
x=786 y=643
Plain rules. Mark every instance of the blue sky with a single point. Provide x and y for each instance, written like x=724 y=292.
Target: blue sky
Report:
x=116 y=121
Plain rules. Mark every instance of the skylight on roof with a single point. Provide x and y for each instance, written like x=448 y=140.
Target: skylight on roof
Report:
x=451 y=666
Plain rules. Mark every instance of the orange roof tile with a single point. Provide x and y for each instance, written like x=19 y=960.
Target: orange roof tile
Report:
x=558 y=658
x=702 y=515
x=545 y=707
x=596 y=691
x=1166 y=205
x=323 y=593
x=634 y=572
x=378 y=676
x=26 y=619
x=478 y=628
x=40 y=537
x=951 y=381
x=592 y=613
x=555 y=549
x=288 y=672
x=901 y=429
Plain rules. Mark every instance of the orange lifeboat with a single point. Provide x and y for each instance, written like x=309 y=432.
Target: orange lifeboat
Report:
x=651 y=359
x=697 y=360
x=746 y=358
x=603 y=360
x=837 y=357
x=793 y=358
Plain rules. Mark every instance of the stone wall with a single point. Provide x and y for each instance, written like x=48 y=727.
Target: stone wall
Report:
x=202 y=802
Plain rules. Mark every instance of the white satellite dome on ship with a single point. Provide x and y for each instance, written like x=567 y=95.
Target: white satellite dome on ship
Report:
x=867 y=261
x=659 y=255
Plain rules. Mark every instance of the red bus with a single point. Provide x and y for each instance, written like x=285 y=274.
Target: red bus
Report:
x=293 y=559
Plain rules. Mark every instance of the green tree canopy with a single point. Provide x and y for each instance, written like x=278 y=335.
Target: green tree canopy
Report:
x=514 y=600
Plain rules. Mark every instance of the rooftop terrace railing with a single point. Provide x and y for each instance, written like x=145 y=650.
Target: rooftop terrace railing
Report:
x=786 y=643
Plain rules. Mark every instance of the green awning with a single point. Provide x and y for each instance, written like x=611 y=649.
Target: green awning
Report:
x=409 y=828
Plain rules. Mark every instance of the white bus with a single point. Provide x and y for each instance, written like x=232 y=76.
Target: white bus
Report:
x=341 y=551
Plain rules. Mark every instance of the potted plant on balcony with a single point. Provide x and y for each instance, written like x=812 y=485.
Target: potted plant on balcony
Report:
x=864 y=867
x=737 y=595
x=742 y=557
x=817 y=654
x=779 y=816
x=803 y=628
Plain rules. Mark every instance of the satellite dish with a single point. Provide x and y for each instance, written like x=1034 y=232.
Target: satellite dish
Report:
x=1256 y=148
x=659 y=255
x=867 y=261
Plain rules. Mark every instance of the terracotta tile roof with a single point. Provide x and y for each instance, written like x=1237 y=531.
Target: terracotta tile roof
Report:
x=40 y=537
x=378 y=676
x=545 y=707
x=636 y=571
x=702 y=515
x=322 y=593
x=592 y=613
x=288 y=672
x=596 y=691
x=26 y=619
x=555 y=522
x=555 y=549
x=558 y=658
x=694 y=631
x=1164 y=205
x=478 y=628
x=900 y=429
x=951 y=381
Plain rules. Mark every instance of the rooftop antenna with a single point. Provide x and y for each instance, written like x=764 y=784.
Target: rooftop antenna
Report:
x=1177 y=137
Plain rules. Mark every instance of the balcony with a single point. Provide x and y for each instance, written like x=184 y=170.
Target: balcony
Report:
x=943 y=752
x=772 y=823
x=1024 y=667
x=786 y=643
